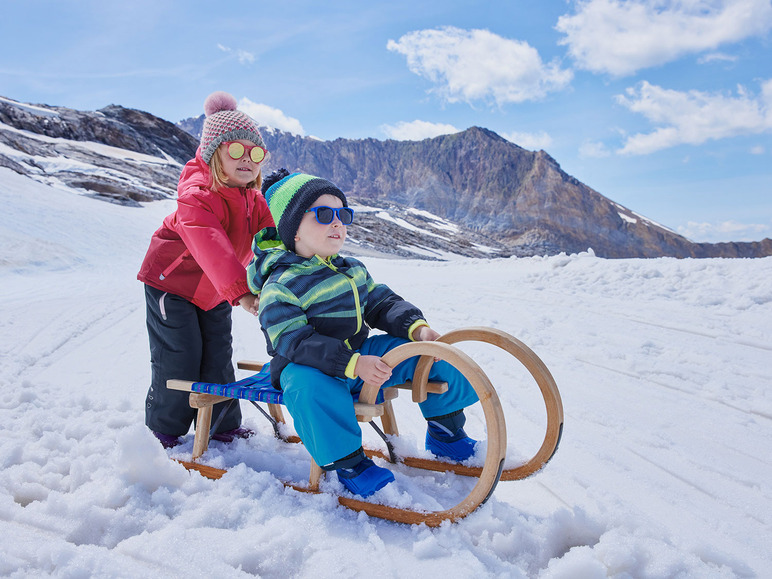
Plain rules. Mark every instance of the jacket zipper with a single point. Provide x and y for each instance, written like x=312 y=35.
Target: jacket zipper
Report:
x=248 y=210
x=355 y=291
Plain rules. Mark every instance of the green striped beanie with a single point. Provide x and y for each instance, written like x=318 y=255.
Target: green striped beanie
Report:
x=290 y=195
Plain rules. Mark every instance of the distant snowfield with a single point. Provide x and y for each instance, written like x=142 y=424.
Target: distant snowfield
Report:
x=664 y=469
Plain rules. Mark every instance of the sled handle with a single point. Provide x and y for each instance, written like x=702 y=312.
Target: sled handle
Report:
x=535 y=367
x=494 y=421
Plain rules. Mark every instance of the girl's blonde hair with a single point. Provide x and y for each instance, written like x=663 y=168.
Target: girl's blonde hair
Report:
x=220 y=181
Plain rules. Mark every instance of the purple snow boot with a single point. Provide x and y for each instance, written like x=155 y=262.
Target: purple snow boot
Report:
x=167 y=440
x=231 y=435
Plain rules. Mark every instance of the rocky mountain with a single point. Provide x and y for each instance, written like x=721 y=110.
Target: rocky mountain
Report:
x=472 y=193
x=517 y=198
x=116 y=154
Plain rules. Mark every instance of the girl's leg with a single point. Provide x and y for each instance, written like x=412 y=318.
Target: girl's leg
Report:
x=322 y=410
x=216 y=360
x=175 y=352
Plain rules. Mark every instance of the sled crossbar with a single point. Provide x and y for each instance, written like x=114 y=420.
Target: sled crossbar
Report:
x=255 y=388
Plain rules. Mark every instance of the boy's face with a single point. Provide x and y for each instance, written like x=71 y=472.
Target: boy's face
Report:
x=314 y=238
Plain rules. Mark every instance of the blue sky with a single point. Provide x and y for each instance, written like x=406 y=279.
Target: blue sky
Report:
x=664 y=106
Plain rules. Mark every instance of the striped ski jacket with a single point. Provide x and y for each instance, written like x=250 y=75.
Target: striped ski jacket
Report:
x=318 y=312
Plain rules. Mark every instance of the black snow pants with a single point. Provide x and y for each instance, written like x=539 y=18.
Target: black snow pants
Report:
x=186 y=343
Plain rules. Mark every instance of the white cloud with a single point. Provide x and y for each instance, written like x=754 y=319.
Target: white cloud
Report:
x=620 y=37
x=716 y=57
x=695 y=117
x=417 y=130
x=725 y=231
x=243 y=56
x=477 y=65
x=266 y=116
x=758 y=150
x=531 y=141
x=594 y=149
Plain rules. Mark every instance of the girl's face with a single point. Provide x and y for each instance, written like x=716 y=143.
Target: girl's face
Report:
x=238 y=172
x=314 y=238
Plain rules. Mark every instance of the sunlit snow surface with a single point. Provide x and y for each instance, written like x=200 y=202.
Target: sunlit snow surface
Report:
x=664 y=468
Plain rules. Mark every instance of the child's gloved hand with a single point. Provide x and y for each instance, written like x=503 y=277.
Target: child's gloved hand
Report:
x=372 y=370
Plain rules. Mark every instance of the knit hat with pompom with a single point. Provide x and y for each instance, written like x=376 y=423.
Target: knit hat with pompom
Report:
x=224 y=123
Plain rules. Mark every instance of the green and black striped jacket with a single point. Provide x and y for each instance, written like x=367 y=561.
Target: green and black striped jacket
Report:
x=318 y=312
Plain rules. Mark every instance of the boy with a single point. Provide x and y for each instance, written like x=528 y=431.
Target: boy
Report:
x=316 y=310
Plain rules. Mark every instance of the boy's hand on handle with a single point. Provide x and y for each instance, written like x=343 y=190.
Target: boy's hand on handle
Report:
x=425 y=334
x=250 y=302
x=372 y=370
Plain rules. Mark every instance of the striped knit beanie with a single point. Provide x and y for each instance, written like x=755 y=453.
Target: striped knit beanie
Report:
x=224 y=123
x=290 y=195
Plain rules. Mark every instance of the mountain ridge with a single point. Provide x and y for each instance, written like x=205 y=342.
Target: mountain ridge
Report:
x=471 y=193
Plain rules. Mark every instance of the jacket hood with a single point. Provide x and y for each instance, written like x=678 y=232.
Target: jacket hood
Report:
x=195 y=173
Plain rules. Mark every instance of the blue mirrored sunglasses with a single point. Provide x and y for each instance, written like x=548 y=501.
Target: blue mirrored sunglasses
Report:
x=325 y=215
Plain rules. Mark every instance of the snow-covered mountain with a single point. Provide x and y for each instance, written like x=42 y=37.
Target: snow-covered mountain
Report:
x=472 y=193
x=663 y=469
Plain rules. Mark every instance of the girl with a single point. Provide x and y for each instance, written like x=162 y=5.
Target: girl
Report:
x=316 y=309
x=194 y=270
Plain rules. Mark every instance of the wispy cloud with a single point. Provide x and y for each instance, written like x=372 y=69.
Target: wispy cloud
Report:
x=620 y=37
x=417 y=130
x=243 y=56
x=532 y=141
x=695 y=117
x=478 y=65
x=267 y=116
x=725 y=231
x=715 y=57
x=594 y=150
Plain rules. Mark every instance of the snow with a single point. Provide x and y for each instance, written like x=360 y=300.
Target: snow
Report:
x=664 y=468
x=386 y=216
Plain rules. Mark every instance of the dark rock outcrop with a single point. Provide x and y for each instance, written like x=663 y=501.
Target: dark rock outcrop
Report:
x=116 y=154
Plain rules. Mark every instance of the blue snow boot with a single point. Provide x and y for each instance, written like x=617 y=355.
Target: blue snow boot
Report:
x=365 y=477
x=445 y=437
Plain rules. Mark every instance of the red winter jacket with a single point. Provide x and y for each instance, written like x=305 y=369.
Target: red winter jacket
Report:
x=201 y=251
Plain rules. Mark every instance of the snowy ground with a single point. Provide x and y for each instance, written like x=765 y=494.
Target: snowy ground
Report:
x=664 y=469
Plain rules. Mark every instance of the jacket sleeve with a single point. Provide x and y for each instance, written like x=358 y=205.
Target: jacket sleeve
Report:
x=387 y=311
x=200 y=228
x=291 y=336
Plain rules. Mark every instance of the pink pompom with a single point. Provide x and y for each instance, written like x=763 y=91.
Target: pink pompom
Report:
x=219 y=101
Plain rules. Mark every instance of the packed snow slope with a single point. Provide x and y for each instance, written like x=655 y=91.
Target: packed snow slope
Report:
x=664 y=468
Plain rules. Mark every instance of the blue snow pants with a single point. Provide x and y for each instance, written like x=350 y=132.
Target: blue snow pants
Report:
x=322 y=407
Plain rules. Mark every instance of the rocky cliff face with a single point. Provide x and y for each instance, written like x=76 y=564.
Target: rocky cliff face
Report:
x=116 y=154
x=520 y=199
x=472 y=193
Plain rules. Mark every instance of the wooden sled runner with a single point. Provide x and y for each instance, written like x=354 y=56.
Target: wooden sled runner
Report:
x=373 y=402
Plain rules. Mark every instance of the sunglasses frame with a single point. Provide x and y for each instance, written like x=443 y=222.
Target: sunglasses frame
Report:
x=247 y=150
x=335 y=213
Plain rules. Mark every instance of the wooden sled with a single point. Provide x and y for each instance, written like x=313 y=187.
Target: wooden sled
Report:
x=373 y=403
